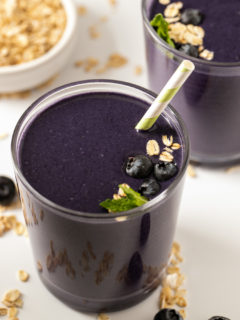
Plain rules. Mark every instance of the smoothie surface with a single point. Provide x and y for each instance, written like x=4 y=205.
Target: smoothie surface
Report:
x=221 y=25
x=73 y=153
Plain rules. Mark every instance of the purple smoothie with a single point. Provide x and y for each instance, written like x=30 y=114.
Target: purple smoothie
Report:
x=209 y=101
x=77 y=163
x=72 y=143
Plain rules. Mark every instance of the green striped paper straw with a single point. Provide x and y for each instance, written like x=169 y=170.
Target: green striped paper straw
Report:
x=165 y=96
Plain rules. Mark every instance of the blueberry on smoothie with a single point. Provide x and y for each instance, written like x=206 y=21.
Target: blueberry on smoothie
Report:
x=7 y=191
x=192 y=16
x=168 y=314
x=139 y=166
x=165 y=170
x=189 y=50
x=149 y=187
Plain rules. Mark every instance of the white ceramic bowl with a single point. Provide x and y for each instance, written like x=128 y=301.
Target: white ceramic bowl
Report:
x=31 y=74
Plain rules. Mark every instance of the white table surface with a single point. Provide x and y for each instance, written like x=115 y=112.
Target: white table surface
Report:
x=209 y=218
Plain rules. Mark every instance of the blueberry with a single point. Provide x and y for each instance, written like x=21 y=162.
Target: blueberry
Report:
x=149 y=187
x=168 y=314
x=139 y=166
x=165 y=170
x=189 y=49
x=192 y=16
x=218 y=318
x=7 y=191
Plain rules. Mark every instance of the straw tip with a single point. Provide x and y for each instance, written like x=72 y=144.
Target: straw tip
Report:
x=188 y=65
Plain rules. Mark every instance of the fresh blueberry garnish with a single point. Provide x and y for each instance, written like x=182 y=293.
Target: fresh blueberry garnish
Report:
x=189 y=49
x=139 y=166
x=168 y=314
x=192 y=16
x=165 y=170
x=149 y=187
x=218 y=318
x=7 y=191
x=135 y=268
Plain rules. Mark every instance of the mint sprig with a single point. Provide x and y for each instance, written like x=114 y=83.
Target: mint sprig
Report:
x=161 y=27
x=132 y=200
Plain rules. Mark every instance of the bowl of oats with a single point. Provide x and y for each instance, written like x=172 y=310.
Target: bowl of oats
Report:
x=36 y=41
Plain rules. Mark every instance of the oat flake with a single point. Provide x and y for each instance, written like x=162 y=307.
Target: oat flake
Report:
x=23 y=275
x=167 y=141
x=152 y=148
x=164 y=2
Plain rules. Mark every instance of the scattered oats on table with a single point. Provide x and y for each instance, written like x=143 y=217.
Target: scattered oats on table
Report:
x=103 y=316
x=23 y=275
x=3 y=311
x=13 y=298
x=4 y=135
x=12 y=312
x=8 y=223
x=93 y=32
x=191 y=171
x=16 y=95
x=90 y=63
x=19 y=228
x=138 y=70
x=116 y=60
x=82 y=10
x=78 y=63
x=112 y=2
x=172 y=295
x=103 y=19
x=233 y=169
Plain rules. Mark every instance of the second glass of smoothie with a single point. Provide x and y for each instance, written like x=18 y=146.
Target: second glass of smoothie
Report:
x=69 y=150
x=209 y=101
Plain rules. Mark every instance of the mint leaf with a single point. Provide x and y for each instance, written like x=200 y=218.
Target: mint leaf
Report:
x=161 y=27
x=120 y=205
x=132 y=194
x=132 y=200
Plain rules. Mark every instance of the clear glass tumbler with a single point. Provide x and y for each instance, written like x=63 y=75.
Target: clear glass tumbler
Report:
x=209 y=101
x=90 y=261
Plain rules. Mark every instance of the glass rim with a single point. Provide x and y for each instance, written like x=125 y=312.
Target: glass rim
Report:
x=77 y=213
x=198 y=61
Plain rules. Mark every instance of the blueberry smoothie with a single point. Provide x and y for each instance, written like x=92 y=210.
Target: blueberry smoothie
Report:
x=78 y=163
x=209 y=102
x=72 y=149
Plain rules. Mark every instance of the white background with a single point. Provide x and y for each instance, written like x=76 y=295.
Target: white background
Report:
x=209 y=220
